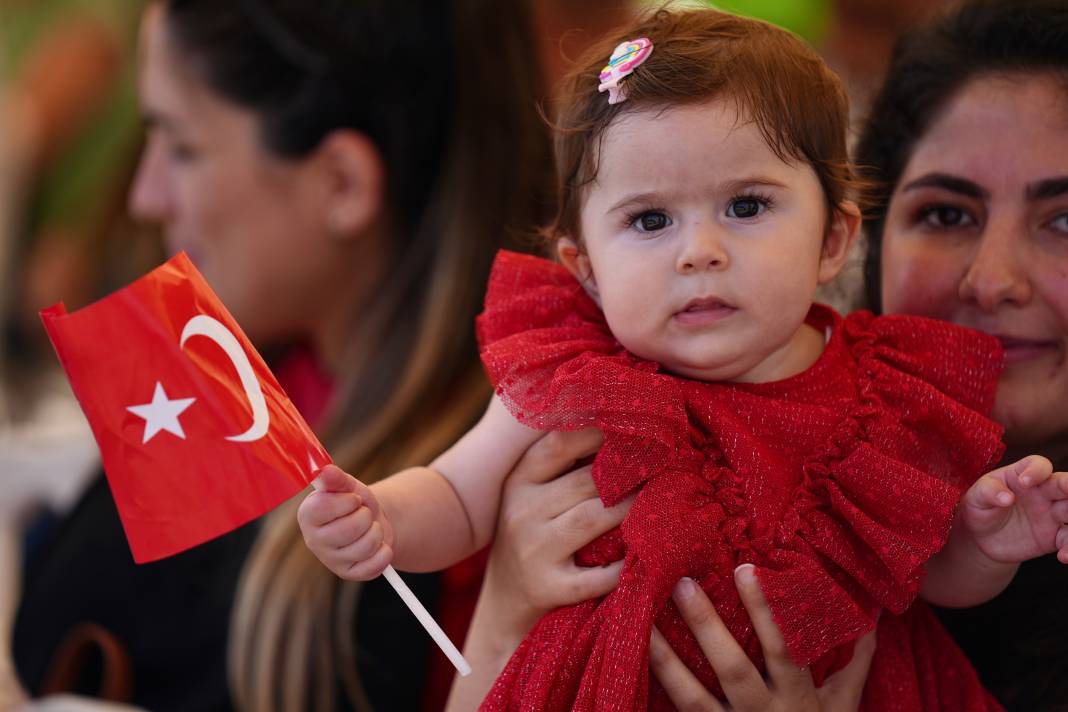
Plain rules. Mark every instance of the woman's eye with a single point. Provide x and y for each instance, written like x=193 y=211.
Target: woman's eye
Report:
x=183 y=153
x=745 y=208
x=1060 y=223
x=945 y=216
x=651 y=221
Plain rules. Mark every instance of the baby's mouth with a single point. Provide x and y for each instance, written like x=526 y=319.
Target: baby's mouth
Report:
x=704 y=310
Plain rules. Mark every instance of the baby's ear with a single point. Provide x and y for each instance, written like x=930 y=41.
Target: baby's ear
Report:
x=578 y=264
x=841 y=234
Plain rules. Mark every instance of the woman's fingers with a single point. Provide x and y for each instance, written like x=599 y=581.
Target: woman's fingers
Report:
x=841 y=692
x=684 y=689
x=788 y=686
x=582 y=583
x=559 y=580
x=783 y=673
x=555 y=453
x=741 y=681
x=589 y=519
x=566 y=491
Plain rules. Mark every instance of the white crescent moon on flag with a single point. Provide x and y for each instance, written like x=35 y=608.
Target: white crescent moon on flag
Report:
x=203 y=325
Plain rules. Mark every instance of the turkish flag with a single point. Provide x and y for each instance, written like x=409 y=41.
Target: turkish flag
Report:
x=196 y=435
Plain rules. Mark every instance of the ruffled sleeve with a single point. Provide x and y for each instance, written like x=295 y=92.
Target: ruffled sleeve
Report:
x=552 y=359
x=878 y=499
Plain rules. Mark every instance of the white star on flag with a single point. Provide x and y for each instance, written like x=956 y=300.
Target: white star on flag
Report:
x=161 y=414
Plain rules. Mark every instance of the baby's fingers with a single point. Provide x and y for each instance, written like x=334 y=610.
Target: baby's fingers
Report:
x=1028 y=472
x=1055 y=487
x=1062 y=544
x=343 y=532
x=1059 y=510
x=370 y=568
x=321 y=508
x=990 y=492
x=333 y=479
x=363 y=548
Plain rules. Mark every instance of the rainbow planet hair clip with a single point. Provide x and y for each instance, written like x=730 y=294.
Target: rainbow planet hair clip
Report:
x=624 y=60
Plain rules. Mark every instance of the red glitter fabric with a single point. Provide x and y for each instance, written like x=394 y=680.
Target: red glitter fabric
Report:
x=838 y=484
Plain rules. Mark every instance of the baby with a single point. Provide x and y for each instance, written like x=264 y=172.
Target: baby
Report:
x=704 y=199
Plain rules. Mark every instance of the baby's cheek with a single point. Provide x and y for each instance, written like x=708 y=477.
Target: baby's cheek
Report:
x=633 y=325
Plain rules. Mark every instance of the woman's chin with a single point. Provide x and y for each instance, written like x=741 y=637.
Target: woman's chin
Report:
x=1033 y=425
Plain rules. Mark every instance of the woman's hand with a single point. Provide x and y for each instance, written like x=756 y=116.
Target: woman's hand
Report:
x=787 y=687
x=545 y=517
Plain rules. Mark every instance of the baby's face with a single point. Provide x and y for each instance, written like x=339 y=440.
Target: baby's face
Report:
x=703 y=248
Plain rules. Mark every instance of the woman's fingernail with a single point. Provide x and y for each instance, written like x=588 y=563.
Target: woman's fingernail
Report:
x=685 y=589
x=1004 y=498
x=744 y=571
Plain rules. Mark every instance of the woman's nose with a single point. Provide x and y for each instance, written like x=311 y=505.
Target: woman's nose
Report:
x=996 y=275
x=702 y=250
x=150 y=195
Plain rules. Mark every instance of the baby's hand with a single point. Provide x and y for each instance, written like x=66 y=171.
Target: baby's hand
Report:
x=344 y=526
x=1019 y=511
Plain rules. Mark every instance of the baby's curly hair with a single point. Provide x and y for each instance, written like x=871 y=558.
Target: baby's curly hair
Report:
x=777 y=81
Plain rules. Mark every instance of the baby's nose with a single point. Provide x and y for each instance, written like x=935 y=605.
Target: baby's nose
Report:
x=702 y=250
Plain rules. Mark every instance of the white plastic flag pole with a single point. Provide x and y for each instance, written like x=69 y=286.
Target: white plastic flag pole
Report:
x=428 y=622
x=424 y=617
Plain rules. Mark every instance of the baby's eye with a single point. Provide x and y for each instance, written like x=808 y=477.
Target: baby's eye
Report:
x=745 y=207
x=651 y=221
x=945 y=216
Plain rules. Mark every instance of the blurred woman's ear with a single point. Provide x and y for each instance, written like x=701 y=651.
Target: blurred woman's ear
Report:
x=352 y=177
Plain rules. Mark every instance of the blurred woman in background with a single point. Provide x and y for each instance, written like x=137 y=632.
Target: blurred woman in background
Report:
x=342 y=173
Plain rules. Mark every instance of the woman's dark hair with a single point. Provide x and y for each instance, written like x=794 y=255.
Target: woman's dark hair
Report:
x=380 y=67
x=447 y=92
x=929 y=66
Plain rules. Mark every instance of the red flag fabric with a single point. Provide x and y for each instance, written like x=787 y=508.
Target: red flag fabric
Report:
x=196 y=435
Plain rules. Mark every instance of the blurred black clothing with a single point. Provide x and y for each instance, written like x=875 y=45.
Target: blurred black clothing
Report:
x=1018 y=641
x=172 y=616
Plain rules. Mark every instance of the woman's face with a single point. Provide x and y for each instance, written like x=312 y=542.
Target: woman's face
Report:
x=977 y=234
x=250 y=221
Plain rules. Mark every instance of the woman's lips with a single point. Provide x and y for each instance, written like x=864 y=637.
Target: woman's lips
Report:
x=700 y=312
x=1017 y=349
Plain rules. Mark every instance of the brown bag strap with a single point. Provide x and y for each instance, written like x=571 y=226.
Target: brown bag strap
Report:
x=73 y=655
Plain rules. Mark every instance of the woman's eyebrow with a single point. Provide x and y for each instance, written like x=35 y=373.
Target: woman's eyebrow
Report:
x=153 y=118
x=1049 y=188
x=948 y=182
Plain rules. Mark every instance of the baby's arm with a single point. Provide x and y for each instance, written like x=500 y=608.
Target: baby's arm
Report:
x=1010 y=515
x=447 y=512
x=421 y=519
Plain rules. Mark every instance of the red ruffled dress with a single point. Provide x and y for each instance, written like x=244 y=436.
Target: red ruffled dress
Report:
x=838 y=484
